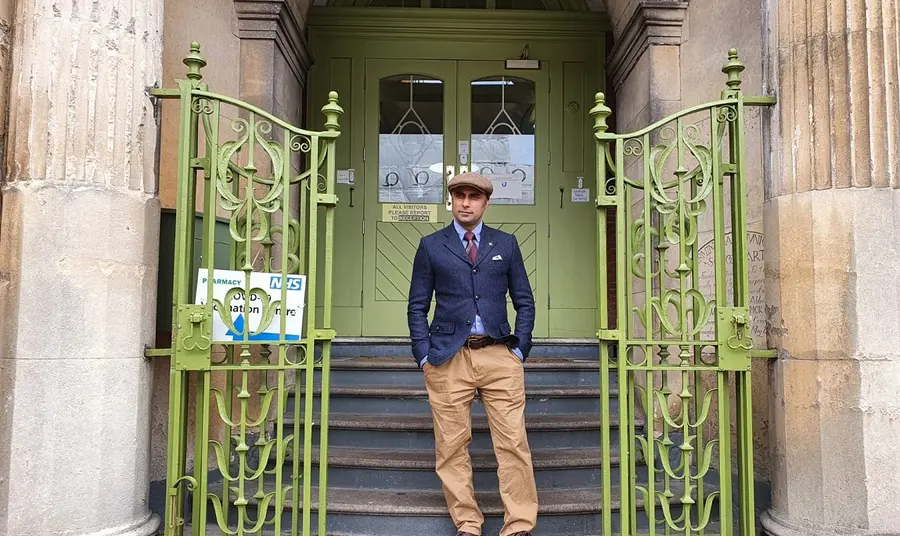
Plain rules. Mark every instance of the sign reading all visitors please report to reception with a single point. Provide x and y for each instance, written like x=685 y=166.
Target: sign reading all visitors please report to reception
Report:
x=407 y=212
x=265 y=291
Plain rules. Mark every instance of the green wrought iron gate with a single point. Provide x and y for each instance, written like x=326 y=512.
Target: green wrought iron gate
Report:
x=251 y=340
x=678 y=335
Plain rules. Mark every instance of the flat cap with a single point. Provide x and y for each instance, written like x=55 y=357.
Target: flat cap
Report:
x=475 y=180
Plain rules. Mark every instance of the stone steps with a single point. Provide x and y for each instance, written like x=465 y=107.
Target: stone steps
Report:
x=416 y=431
x=381 y=478
x=366 y=468
x=354 y=512
x=413 y=399
x=404 y=371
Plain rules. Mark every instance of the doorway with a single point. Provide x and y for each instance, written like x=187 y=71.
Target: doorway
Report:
x=429 y=121
x=427 y=95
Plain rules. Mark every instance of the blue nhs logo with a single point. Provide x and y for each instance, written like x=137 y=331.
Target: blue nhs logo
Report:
x=294 y=283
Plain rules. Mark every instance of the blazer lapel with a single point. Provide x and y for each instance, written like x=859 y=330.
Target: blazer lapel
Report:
x=454 y=244
x=487 y=243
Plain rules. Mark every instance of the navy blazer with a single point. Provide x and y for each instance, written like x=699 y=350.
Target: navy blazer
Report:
x=442 y=268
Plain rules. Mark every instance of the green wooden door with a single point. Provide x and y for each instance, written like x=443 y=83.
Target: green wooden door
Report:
x=425 y=121
x=411 y=112
x=502 y=126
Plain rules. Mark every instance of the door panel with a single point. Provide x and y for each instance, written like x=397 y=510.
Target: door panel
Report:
x=573 y=219
x=503 y=115
x=410 y=114
x=418 y=112
x=395 y=246
x=337 y=74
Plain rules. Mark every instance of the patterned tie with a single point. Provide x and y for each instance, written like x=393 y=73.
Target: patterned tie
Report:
x=471 y=247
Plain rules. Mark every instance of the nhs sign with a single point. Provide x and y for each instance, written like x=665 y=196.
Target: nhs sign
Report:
x=295 y=282
x=244 y=311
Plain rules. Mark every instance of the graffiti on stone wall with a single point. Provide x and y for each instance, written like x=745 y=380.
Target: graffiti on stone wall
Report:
x=757 y=281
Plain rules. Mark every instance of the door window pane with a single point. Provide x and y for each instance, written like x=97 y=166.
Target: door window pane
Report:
x=411 y=140
x=503 y=137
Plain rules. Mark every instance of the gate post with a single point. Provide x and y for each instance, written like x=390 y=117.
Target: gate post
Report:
x=78 y=270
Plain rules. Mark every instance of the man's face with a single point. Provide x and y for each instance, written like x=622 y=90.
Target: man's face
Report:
x=469 y=205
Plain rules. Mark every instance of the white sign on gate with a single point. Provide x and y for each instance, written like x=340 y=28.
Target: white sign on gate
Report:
x=262 y=284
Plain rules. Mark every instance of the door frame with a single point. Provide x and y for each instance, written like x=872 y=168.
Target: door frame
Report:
x=343 y=39
x=380 y=314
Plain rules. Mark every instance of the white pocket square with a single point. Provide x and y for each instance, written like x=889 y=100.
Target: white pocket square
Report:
x=497 y=258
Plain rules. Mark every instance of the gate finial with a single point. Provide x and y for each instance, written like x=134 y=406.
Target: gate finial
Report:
x=194 y=62
x=600 y=112
x=332 y=112
x=733 y=69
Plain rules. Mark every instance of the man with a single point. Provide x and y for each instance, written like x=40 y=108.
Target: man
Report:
x=469 y=268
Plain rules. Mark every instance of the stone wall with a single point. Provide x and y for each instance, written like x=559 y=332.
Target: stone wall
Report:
x=6 y=20
x=213 y=23
x=711 y=28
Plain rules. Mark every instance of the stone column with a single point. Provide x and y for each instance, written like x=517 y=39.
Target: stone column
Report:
x=275 y=56
x=832 y=226
x=645 y=63
x=78 y=264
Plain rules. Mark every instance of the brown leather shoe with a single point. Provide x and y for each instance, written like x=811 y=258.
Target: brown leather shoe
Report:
x=523 y=533
x=464 y=534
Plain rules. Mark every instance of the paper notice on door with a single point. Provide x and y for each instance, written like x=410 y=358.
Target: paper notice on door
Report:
x=497 y=156
x=343 y=176
x=506 y=186
x=581 y=195
x=409 y=212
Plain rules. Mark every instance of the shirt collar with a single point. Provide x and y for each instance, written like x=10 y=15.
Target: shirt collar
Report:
x=462 y=232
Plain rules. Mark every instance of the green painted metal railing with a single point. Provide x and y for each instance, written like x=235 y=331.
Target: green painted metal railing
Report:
x=250 y=467
x=678 y=338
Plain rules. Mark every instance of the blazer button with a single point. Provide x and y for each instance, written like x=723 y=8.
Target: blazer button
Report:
x=468 y=322
x=474 y=270
x=476 y=296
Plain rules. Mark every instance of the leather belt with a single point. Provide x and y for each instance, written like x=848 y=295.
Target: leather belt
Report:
x=474 y=342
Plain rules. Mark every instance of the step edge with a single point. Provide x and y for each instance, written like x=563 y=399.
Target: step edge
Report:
x=407 y=363
x=395 y=421
x=479 y=457
x=557 y=391
x=381 y=509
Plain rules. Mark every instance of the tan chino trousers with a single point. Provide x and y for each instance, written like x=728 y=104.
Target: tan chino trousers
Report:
x=499 y=376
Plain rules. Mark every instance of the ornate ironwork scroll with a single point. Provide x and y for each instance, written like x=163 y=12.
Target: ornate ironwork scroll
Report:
x=678 y=340
x=250 y=368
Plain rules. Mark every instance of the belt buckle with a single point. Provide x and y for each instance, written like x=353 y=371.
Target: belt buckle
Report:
x=476 y=342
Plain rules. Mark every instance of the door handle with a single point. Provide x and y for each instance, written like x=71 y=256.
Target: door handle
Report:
x=451 y=172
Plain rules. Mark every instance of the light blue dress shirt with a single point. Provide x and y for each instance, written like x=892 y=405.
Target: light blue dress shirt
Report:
x=478 y=325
